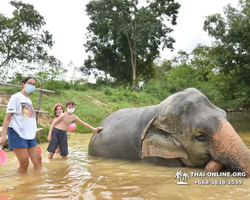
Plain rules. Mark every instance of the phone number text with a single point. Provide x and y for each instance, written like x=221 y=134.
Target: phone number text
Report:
x=219 y=182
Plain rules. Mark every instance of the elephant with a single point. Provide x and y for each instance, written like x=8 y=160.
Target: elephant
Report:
x=184 y=130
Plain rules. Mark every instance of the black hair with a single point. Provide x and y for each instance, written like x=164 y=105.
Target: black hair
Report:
x=70 y=102
x=27 y=78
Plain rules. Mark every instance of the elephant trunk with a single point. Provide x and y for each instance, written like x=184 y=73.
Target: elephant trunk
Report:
x=230 y=150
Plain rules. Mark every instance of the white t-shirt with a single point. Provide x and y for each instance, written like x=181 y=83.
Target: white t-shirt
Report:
x=23 y=120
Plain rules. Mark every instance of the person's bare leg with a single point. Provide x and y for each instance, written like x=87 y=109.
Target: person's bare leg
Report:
x=35 y=157
x=51 y=154
x=58 y=149
x=64 y=156
x=23 y=159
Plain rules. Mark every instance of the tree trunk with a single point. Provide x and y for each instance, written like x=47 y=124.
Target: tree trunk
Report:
x=39 y=101
x=133 y=63
x=134 y=74
x=106 y=77
x=134 y=79
x=6 y=60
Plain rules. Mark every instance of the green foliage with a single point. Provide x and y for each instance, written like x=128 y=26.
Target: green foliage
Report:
x=156 y=89
x=107 y=91
x=231 y=48
x=23 y=41
x=57 y=85
x=181 y=77
x=79 y=85
x=16 y=79
x=125 y=38
x=214 y=94
x=242 y=94
x=2 y=115
x=8 y=90
x=199 y=70
x=51 y=71
x=128 y=98
x=42 y=135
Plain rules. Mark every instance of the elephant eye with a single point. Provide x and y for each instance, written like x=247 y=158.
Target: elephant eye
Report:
x=201 y=137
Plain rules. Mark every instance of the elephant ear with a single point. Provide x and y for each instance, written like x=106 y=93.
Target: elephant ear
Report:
x=156 y=142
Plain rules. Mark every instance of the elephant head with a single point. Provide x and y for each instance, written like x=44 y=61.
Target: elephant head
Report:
x=189 y=127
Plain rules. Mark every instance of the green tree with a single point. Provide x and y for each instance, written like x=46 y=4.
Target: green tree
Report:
x=197 y=69
x=53 y=70
x=161 y=69
x=202 y=60
x=131 y=33
x=109 y=62
x=22 y=38
x=231 y=48
x=182 y=57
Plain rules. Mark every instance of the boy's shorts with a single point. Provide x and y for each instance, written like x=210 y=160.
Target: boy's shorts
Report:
x=16 y=142
x=59 y=137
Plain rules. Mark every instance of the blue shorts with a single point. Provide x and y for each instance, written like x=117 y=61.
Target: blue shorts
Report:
x=16 y=142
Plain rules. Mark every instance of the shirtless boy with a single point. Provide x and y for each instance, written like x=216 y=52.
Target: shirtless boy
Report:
x=58 y=135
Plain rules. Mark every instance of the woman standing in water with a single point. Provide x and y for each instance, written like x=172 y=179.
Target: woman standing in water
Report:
x=20 y=124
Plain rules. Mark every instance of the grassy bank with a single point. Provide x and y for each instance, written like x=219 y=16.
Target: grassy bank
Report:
x=92 y=105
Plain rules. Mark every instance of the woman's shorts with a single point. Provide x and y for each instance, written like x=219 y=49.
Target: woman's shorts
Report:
x=16 y=142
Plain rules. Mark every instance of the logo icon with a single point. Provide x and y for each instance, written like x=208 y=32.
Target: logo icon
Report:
x=182 y=177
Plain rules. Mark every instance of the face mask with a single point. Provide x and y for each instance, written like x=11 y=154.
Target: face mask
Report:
x=71 y=110
x=58 y=114
x=29 y=88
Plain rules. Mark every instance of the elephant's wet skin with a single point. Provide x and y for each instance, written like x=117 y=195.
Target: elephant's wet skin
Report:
x=213 y=166
x=121 y=137
x=228 y=144
x=157 y=143
x=186 y=129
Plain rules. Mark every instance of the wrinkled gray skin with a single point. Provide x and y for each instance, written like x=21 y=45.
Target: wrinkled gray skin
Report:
x=186 y=129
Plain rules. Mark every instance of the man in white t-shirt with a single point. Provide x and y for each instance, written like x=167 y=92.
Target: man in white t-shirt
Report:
x=20 y=124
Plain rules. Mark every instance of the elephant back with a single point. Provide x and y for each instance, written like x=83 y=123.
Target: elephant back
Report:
x=121 y=134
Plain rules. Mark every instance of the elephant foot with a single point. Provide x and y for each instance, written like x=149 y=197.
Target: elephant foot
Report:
x=213 y=166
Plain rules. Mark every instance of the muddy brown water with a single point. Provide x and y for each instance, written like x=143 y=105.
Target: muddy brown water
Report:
x=84 y=177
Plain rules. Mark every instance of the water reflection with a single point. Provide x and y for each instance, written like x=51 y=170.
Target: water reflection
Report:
x=240 y=121
x=84 y=177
